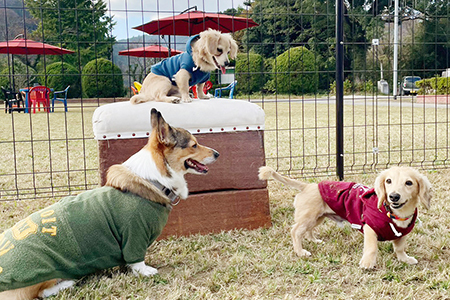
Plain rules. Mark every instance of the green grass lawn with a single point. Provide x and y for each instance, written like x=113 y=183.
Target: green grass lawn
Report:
x=257 y=264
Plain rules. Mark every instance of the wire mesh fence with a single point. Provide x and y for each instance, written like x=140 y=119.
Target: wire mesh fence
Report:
x=286 y=64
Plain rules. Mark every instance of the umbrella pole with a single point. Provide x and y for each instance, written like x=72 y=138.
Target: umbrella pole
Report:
x=13 y=85
x=169 y=47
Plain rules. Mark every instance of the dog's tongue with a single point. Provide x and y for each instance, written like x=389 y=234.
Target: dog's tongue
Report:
x=201 y=168
x=222 y=68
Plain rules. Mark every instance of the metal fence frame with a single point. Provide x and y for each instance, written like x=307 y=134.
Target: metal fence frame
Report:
x=291 y=138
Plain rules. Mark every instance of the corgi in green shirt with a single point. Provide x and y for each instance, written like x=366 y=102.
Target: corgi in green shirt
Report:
x=105 y=227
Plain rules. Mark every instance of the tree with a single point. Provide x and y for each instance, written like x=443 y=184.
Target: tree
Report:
x=311 y=23
x=430 y=50
x=296 y=72
x=103 y=79
x=79 y=25
x=59 y=75
x=22 y=76
x=250 y=72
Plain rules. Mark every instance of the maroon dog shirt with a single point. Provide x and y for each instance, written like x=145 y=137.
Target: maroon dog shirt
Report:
x=358 y=205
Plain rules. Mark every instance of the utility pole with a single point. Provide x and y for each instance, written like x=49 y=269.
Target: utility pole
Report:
x=395 y=80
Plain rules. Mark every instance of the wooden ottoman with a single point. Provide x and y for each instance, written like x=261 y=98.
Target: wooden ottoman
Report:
x=230 y=196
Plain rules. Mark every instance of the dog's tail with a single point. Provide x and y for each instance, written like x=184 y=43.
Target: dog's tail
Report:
x=267 y=172
x=138 y=98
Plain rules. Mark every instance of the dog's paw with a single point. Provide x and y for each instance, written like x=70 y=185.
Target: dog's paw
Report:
x=303 y=253
x=147 y=271
x=141 y=269
x=367 y=262
x=205 y=97
x=186 y=99
x=317 y=241
x=408 y=259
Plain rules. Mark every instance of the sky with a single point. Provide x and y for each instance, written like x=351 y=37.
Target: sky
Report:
x=131 y=13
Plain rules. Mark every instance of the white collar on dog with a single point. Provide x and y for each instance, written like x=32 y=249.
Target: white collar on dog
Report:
x=174 y=199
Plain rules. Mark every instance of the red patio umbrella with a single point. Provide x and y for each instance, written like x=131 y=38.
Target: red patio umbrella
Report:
x=29 y=47
x=150 y=51
x=194 y=22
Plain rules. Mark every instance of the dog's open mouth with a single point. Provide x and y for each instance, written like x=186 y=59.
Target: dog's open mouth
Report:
x=397 y=205
x=222 y=68
x=196 y=166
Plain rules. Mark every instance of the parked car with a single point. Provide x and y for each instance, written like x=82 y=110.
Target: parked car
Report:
x=409 y=85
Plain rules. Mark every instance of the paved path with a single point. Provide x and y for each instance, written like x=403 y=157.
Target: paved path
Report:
x=405 y=101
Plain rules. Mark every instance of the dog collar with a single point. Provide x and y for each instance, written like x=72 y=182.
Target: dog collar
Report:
x=393 y=216
x=174 y=199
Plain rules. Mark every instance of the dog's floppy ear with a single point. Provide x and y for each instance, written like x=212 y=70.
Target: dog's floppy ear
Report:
x=380 y=189
x=163 y=130
x=233 y=48
x=425 y=191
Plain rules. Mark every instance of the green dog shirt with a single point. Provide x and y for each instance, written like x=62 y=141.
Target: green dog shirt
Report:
x=79 y=235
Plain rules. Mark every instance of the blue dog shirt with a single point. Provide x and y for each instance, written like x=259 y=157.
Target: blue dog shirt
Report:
x=170 y=66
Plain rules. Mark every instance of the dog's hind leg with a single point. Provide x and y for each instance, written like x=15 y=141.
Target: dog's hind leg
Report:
x=166 y=91
x=156 y=88
x=310 y=234
x=29 y=292
x=300 y=231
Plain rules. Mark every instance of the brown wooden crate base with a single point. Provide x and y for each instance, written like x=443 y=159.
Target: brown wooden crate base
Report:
x=219 y=211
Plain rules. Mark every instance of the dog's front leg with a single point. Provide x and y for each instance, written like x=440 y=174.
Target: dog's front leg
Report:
x=399 y=249
x=182 y=80
x=201 y=94
x=369 y=258
x=141 y=268
x=60 y=286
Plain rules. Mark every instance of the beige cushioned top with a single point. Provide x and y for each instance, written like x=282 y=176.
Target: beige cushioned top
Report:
x=122 y=120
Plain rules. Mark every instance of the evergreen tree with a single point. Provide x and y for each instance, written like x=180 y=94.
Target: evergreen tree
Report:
x=79 y=25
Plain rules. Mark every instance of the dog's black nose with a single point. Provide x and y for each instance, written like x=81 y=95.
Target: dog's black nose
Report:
x=394 y=197
x=216 y=154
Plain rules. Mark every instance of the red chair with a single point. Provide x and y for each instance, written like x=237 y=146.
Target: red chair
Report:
x=38 y=95
x=206 y=88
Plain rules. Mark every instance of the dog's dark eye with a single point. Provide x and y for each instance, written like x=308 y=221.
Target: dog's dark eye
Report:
x=194 y=146
x=409 y=182
x=388 y=181
x=219 y=50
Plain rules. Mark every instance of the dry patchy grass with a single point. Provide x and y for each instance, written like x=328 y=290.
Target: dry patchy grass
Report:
x=258 y=264
x=261 y=264
x=47 y=154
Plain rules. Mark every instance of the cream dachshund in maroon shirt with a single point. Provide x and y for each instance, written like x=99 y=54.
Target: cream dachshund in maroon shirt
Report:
x=386 y=212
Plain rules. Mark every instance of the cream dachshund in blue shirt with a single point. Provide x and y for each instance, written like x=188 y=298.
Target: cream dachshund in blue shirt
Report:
x=170 y=80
